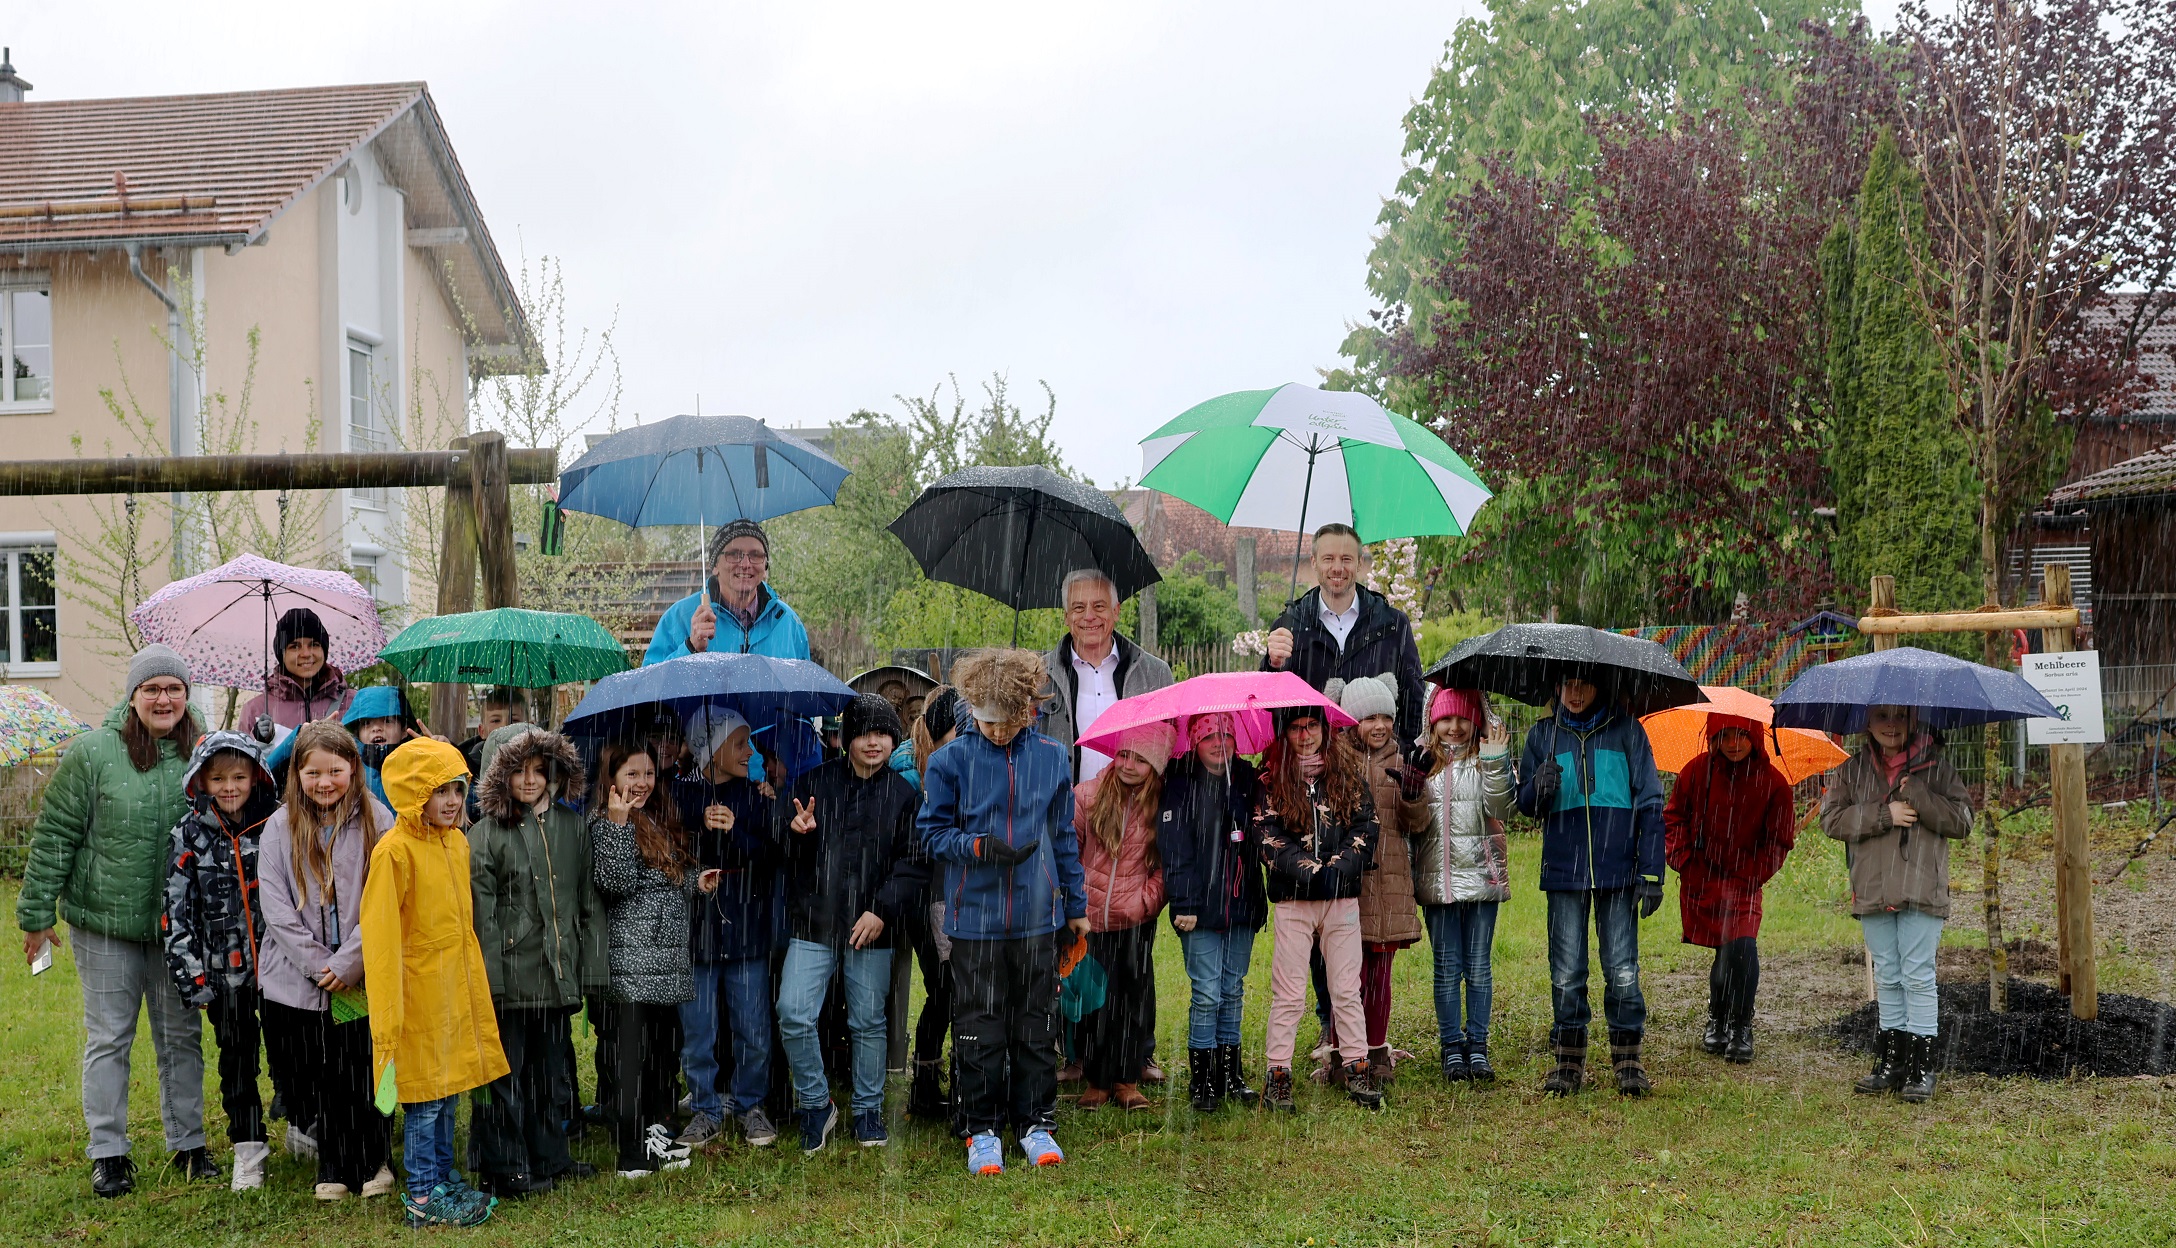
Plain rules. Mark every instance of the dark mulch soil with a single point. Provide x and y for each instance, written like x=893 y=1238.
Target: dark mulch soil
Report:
x=2037 y=1036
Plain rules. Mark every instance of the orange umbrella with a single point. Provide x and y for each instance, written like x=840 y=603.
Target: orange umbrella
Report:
x=1680 y=734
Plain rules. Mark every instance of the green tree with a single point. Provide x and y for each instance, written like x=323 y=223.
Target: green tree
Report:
x=1192 y=610
x=1906 y=498
x=838 y=565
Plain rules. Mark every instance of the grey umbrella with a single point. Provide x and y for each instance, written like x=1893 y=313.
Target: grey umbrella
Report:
x=1526 y=661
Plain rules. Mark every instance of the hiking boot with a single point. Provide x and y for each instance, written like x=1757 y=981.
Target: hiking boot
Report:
x=1477 y=1068
x=1739 y=1050
x=1624 y=1061
x=249 y=1159
x=1042 y=1148
x=985 y=1154
x=113 y=1176
x=1570 y=1044
x=444 y=1207
x=196 y=1164
x=869 y=1129
x=1919 y=1064
x=815 y=1126
x=1203 y=1086
x=1277 y=1089
x=1454 y=1065
x=700 y=1131
x=1888 y=1072
x=1232 y=1080
x=925 y=1097
x=1383 y=1066
x=1362 y=1085
x=1717 y=1036
x=756 y=1128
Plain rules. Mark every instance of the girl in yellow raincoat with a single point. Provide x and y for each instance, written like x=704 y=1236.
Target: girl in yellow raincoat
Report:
x=433 y=1034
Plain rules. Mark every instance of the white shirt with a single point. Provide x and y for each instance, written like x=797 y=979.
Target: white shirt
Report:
x=1098 y=689
x=1340 y=622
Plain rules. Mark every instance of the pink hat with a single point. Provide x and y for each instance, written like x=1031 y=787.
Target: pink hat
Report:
x=1466 y=704
x=1152 y=742
x=1209 y=725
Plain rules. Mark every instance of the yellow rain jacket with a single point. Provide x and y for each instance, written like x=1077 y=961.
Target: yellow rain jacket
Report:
x=430 y=1000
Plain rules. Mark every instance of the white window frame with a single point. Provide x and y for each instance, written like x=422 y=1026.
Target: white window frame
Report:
x=369 y=559
x=10 y=282
x=373 y=429
x=13 y=546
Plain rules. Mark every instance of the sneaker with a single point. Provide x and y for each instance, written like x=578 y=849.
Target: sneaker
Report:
x=330 y=1192
x=756 y=1128
x=1042 y=1148
x=869 y=1129
x=301 y=1145
x=445 y=1206
x=1478 y=1069
x=113 y=1176
x=379 y=1184
x=700 y=1131
x=1454 y=1066
x=466 y=1192
x=985 y=1155
x=196 y=1164
x=687 y=1104
x=815 y=1126
x=660 y=1135
x=249 y=1159
x=660 y=1153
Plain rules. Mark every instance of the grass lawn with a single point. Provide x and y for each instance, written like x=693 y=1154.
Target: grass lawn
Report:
x=1778 y=1152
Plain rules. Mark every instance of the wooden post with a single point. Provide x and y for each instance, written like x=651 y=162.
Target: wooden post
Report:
x=494 y=518
x=2073 y=866
x=456 y=592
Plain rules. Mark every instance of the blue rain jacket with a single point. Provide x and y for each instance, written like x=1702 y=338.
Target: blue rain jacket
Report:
x=1018 y=793
x=777 y=632
x=1604 y=830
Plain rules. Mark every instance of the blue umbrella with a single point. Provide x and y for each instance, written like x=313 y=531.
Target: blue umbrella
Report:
x=774 y=695
x=1947 y=692
x=700 y=470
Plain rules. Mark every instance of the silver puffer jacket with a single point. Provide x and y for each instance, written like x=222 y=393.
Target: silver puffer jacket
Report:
x=1459 y=858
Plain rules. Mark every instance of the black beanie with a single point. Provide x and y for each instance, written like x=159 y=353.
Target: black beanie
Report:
x=941 y=714
x=870 y=713
x=300 y=622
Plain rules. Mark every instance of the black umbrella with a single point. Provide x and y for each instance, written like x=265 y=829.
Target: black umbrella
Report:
x=1525 y=661
x=1014 y=533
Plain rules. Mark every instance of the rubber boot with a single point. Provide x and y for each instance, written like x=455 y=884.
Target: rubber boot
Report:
x=1232 y=1081
x=1919 y=1066
x=925 y=1096
x=1888 y=1072
x=1624 y=1061
x=1384 y=1070
x=1203 y=1085
x=1570 y=1044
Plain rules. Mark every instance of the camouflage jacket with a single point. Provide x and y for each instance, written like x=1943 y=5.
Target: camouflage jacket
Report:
x=211 y=924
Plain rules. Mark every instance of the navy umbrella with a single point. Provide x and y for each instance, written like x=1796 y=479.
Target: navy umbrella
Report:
x=1947 y=692
x=774 y=695
x=1527 y=661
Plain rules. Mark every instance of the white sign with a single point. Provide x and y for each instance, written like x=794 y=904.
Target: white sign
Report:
x=2072 y=682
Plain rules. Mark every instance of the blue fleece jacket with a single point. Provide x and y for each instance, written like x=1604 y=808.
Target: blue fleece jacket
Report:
x=777 y=631
x=1604 y=830
x=1019 y=793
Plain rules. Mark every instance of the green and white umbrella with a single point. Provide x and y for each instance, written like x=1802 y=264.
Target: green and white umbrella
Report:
x=507 y=646
x=1296 y=458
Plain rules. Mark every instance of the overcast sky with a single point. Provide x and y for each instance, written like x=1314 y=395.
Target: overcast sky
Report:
x=796 y=210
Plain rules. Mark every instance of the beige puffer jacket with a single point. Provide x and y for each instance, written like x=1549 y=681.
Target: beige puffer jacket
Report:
x=1387 y=913
x=1898 y=868
x=1463 y=856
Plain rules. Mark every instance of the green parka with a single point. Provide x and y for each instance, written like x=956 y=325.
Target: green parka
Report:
x=539 y=919
x=98 y=851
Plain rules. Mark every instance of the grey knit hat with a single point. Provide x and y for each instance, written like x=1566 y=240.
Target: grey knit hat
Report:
x=1367 y=695
x=155 y=660
x=735 y=529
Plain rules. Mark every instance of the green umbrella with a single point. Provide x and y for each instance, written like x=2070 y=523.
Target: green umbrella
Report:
x=1296 y=457
x=507 y=646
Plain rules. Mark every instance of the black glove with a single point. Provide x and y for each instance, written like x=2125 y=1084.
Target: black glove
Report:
x=1411 y=782
x=997 y=853
x=1650 y=896
x=1416 y=755
x=1546 y=777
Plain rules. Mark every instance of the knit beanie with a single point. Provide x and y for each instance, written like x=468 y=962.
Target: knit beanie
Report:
x=1152 y=742
x=708 y=728
x=1466 y=704
x=871 y=712
x=941 y=714
x=733 y=529
x=299 y=622
x=1366 y=695
x=155 y=660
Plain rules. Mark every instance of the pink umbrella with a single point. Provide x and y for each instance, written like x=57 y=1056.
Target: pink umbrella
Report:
x=220 y=622
x=1248 y=697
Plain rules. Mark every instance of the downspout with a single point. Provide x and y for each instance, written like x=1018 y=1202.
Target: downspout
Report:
x=173 y=395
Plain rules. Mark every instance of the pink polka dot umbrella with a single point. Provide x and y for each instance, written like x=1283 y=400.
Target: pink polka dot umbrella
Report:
x=220 y=622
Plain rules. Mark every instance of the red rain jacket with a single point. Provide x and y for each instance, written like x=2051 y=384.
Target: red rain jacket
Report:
x=1726 y=830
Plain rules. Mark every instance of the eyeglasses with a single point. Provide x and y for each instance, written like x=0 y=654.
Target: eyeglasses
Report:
x=164 y=693
x=737 y=557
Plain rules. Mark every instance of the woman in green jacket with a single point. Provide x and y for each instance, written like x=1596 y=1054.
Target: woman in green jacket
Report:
x=98 y=861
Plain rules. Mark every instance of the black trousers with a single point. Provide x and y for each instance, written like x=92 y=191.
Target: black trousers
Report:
x=1116 y=1038
x=645 y=1044
x=1005 y=1033
x=1733 y=980
x=236 y=1028
x=936 y=1016
x=516 y=1125
x=602 y=1018
x=331 y=1090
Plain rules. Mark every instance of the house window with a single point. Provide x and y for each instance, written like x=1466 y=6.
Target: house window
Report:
x=366 y=420
x=26 y=343
x=366 y=571
x=31 y=639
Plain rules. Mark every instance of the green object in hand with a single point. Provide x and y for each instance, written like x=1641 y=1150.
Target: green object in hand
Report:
x=388 y=1091
x=347 y=1006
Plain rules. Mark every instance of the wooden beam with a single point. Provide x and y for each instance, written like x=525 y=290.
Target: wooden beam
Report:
x=456 y=593
x=165 y=474
x=1879 y=626
x=494 y=518
x=2073 y=864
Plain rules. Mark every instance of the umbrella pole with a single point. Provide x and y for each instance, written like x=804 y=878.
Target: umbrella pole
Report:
x=1305 y=490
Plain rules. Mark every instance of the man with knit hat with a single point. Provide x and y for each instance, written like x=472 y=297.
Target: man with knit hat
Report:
x=736 y=609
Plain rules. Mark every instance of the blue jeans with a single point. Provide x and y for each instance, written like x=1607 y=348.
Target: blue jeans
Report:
x=426 y=1149
x=1216 y=962
x=801 y=991
x=1902 y=943
x=1617 y=931
x=743 y=989
x=1462 y=935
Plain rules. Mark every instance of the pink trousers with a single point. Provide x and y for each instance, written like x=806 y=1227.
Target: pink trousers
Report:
x=1297 y=925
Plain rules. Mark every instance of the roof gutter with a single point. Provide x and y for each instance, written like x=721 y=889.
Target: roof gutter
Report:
x=174 y=444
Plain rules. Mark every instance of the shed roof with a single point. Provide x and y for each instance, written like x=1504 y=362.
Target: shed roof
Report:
x=219 y=170
x=2141 y=476
x=2156 y=356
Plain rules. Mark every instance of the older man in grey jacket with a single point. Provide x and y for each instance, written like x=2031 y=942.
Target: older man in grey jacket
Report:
x=1092 y=666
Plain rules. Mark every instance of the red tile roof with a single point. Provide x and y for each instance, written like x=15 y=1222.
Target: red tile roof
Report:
x=2151 y=473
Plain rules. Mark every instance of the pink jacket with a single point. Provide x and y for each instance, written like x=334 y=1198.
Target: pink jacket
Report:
x=1125 y=890
x=292 y=706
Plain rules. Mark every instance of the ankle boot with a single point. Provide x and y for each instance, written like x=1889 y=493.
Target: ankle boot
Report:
x=1624 y=1060
x=1201 y=1081
x=1716 y=1038
x=1739 y=1049
x=1232 y=1081
x=1277 y=1090
x=1888 y=1072
x=1379 y=1062
x=1919 y=1067
x=925 y=1097
x=1570 y=1044
x=1361 y=1084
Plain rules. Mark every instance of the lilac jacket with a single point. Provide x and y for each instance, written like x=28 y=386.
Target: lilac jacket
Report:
x=298 y=947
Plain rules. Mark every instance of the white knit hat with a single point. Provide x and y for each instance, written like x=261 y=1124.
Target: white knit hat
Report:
x=1366 y=695
x=708 y=729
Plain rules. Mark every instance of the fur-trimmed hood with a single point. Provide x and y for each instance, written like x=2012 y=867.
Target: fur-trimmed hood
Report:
x=494 y=793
